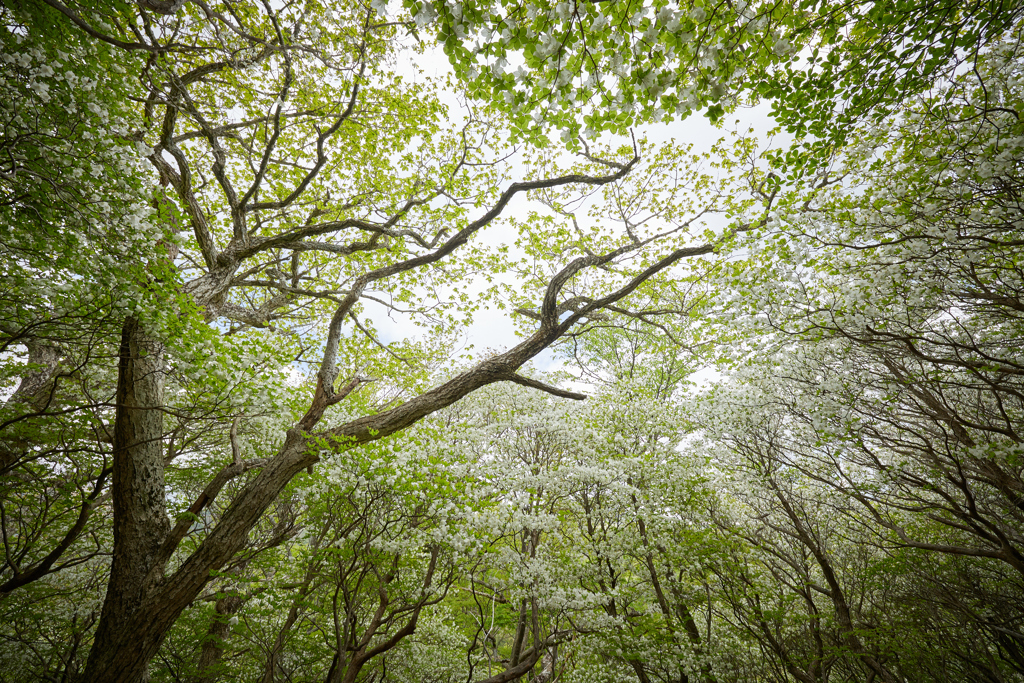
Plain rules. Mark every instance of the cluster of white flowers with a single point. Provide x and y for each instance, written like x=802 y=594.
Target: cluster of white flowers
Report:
x=70 y=159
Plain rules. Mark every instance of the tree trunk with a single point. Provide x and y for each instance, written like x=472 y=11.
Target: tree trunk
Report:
x=844 y=616
x=132 y=637
x=216 y=635
x=35 y=391
x=34 y=388
x=140 y=515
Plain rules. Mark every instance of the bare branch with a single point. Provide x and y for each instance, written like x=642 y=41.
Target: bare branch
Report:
x=554 y=391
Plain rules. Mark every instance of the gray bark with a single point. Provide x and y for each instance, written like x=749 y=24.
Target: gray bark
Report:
x=34 y=384
x=137 y=487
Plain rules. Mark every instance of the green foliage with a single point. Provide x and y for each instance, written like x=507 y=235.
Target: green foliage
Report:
x=254 y=184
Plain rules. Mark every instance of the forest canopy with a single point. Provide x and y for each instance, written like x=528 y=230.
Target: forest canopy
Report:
x=782 y=440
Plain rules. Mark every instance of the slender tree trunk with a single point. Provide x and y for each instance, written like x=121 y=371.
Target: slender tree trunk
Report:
x=517 y=644
x=334 y=673
x=638 y=669
x=682 y=611
x=216 y=635
x=140 y=514
x=844 y=616
x=270 y=668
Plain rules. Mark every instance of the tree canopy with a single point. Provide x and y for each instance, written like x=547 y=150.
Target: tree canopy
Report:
x=782 y=441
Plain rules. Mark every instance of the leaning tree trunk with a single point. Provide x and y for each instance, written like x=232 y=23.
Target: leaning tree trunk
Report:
x=140 y=515
x=132 y=634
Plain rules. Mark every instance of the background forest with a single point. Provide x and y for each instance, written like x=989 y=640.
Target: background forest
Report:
x=782 y=441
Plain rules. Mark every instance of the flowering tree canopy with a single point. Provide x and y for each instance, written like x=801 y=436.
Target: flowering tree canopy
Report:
x=218 y=464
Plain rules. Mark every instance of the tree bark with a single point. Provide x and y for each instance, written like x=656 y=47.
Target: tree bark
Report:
x=137 y=488
x=35 y=391
x=44 y=357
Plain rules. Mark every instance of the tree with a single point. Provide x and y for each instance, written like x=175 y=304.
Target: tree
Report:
x=202 y=218
x=246 y=268
x=922 y=331
x=885 y=377
x=607 y=66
